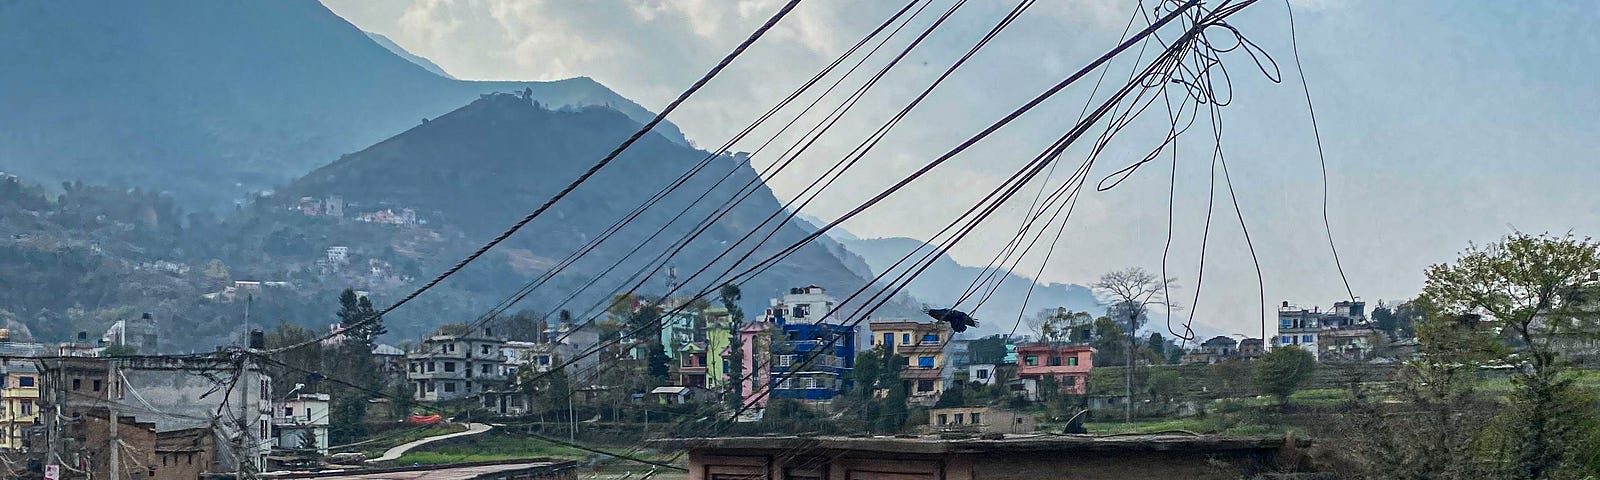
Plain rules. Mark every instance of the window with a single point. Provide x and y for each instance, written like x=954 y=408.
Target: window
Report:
x=1307 y=339
x=943 y=419
x=1069 y=381
x=483 y=368
x=449 y=387
x=811 y=382
x=266 y=430
x=431 y=387
x=449 y=366
x=1019 y=420
x=983 y=374
x=544 y=360
x=485 y=349
x=888 y=339
x=1287 y=323
x=976 y=419
x=77 y=384
x=1073 y=360
x=930 y=338
x=924 y=385
x=469 y=387
x=430 y=366
x=97 y=385
x=905 y=339
x=959 y=418
x=925 y=362
x=27 y=407
x=786 y=384
x=288 y=411
x=412 y=367
x=1055 y=361
x=25 y=381
x=1030 y=360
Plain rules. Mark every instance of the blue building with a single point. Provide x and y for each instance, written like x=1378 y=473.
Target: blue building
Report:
x=813 y=357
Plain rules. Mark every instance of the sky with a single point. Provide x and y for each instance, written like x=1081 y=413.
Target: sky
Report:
x=1443 y=124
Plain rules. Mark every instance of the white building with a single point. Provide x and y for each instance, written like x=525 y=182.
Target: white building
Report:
x=295 y=418
x=983 y=373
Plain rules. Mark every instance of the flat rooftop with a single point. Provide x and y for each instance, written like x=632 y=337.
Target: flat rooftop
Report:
x=935 y=445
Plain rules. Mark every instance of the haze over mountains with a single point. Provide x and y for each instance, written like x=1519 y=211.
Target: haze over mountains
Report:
x=199 y=104
x=211 y=100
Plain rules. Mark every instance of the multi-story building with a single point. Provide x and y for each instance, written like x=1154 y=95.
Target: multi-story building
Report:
x=1069 y=364
x=689 y=366
x=300 y=418
x=166 y=396
x=19 y=400
x=755 y=378
x=1306 y=328
x=1220 y=346
x=450 y=367
x=679 y=328
x=923 y=346
x=815 y=356
x=719 y=346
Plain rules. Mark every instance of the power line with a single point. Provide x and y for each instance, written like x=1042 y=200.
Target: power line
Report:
x=1322 y=158
x=643 y=130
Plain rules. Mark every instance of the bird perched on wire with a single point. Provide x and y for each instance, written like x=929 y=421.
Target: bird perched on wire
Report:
x=959 y=320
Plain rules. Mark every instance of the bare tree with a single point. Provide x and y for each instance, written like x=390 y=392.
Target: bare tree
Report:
x=1132 y=292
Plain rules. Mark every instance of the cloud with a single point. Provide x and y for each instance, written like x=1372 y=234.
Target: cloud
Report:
x=1421 y=158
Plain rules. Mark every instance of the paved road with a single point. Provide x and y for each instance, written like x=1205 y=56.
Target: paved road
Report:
x=396 y=452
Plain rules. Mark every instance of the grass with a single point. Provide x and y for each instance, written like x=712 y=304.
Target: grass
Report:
x=404 y=436
x=1587 y=379
x=487 y=447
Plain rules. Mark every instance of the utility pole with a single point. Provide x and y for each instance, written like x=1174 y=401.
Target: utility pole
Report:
x=1133 y=319
x=572 y=433
x=115 y=462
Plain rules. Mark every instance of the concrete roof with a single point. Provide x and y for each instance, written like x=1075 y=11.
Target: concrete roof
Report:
x=1010 y=443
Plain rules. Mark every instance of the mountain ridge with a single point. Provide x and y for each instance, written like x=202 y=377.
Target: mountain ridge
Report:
x=213 y=100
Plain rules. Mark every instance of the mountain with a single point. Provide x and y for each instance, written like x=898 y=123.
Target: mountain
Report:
x=945 y=281
x=212 y=100
x=449 y=184
x=426 y=64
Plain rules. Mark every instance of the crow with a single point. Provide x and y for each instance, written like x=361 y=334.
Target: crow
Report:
x=959 y=321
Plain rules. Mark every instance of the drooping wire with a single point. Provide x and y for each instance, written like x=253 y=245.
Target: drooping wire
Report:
x=1322 y=159
x=643 y=130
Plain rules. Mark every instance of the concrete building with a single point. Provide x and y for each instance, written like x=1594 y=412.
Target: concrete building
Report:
x=719 y=346
x=1069 y=364
x=1303 y=327
x=1252 y=348
x=1220 y=346
x=981 y=419
x=755 y=344
x=19 y=401
x=984 y=373
x=138 y=333
x=300 y=416
x=167 y=394
x=1067 y=457
x=923 y=346
x=680 y=328
x=689 y=366
x=451 y=367
x=814 y=360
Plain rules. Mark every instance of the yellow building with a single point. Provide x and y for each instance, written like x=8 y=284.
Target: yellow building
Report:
x=923 y=346
x=19 y=400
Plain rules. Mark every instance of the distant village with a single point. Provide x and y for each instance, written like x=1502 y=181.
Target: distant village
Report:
x=189 y=416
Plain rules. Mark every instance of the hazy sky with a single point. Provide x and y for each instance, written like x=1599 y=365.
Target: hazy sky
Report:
x=1444 y=123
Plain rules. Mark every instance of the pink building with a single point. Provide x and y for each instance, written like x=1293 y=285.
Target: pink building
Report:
x=1069 y=364
x=755 y=339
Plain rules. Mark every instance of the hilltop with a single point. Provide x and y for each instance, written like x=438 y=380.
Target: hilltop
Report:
x=208 y=101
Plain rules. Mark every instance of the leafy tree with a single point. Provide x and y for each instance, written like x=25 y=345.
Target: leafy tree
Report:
x=878 y=370
x=1110 y=343
x=729 y=295
x=1157 y=344
x=217 y=275
x=659 y=363
x=1537 y=292
x=1060 y=325
x=1162 y=385
x=308 y=440
x=1283 y=371
x=300 y=360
